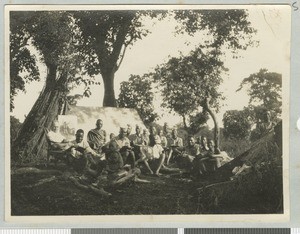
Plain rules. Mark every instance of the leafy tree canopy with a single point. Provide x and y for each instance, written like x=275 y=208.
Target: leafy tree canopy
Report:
x=237 y=124
x=188 y=80
x=105 y=35
x=264 y=88
x=136 y=93
x=23 y=67
x=55 y=36
x=229 y=28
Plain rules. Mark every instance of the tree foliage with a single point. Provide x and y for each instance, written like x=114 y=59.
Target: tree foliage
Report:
x=54 y=35
x=15 y=125
x=229 y=28
x=188 y=82
x=190 y=85
x=197 y=122
x=264 y=89
x=23 y=67
x=136 y=93
x=237 y=124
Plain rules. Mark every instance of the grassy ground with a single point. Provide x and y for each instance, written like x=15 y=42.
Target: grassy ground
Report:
x=164 y=195
x=251 y=194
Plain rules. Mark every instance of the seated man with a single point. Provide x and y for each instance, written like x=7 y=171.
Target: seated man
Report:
x=123 y=145
x=97 y=137
x=129 y=135
x=203 y=162
x=117 y=174
x=137 y=142
x=137 y=138
x=164 y=140
x=222 y=156
x=146 y=136
x=57 y=141
x=154 y=155
x=210 y=160
x=176 y=145
x=189 y=154
x=203 y=144
x=83 y=157
x=58 y=146
x=153 y=134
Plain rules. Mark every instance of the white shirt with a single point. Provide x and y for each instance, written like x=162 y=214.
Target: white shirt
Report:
x=55 y=136
x=83 y=144
x=157 y=151
x=152 y=152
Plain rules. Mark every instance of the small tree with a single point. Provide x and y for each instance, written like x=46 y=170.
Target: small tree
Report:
x=237 y=124
x=264 y=89
x=136 y=93
x=190 y=84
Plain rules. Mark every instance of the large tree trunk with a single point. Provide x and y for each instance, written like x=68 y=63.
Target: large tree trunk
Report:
x=30 y=144
x=109 y=91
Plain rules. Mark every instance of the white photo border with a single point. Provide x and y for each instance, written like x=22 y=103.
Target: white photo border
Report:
x=134 y=220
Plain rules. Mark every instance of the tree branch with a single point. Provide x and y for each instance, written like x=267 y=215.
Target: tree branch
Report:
x=120 y=40
x=122 y=57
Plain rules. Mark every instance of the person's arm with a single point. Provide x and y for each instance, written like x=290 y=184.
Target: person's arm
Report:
x=180 y=142
x=51 y=137
x=90 y=140
x=88 y=149
x=186 y=153
x=127 y=144
x=105 y=136
x=198 y=151
x=120 y=161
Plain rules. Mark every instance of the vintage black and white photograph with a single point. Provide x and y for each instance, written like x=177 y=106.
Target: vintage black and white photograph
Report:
x=147 y=110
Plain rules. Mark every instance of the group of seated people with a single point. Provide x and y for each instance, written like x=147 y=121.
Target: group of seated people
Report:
x=122 y=155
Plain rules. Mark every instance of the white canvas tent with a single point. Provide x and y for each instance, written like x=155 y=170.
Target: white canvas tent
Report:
x=85 y=118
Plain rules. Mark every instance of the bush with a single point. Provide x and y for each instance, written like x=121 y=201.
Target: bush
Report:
x=15 y=125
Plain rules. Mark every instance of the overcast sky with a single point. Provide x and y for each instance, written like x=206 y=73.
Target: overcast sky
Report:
x=273 y=32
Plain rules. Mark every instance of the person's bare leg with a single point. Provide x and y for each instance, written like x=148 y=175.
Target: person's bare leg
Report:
x=148 y=167
x=169 y=156
x=141 y=159
x=161 y=161
x=203 y=168
x=123 y=179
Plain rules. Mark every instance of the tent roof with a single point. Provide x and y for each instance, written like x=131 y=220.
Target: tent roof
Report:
x=113 y=118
